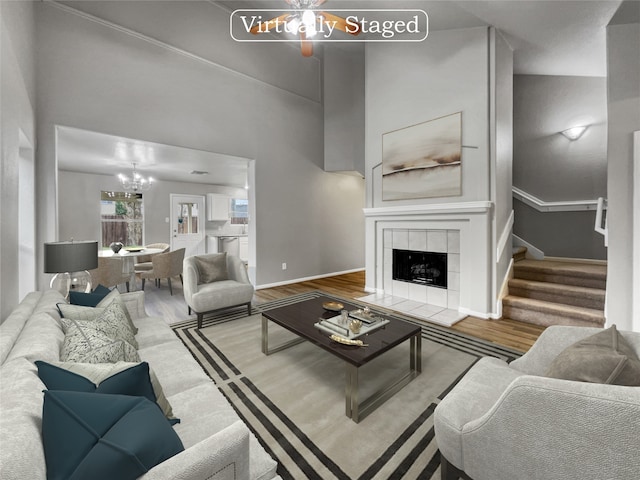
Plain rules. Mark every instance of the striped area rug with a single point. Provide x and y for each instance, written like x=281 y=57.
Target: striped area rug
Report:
x=293 y=400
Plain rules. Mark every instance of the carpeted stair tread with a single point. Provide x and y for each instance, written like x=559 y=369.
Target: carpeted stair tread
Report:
x=570 y=273
x=545 y=313
x=558 y=293
x=519 y=253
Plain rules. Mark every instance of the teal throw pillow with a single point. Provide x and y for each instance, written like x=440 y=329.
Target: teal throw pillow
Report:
x=128 y=379
x=89 y=299
x=102 y=437
x=102 y=290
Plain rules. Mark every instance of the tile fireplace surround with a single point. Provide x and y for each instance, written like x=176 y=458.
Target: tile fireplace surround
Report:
x=461 y=230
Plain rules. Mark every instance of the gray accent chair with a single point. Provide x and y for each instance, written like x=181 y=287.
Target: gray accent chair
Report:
x=232 y=288
x=509 y=422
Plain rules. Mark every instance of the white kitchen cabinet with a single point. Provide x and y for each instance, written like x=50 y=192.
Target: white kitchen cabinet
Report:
x=244 y=249
x=217 y=207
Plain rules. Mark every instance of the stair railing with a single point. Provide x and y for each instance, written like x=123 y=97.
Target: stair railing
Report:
x=601 y=220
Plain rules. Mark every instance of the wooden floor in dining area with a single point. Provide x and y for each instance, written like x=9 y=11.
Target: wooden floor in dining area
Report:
x=509 y=333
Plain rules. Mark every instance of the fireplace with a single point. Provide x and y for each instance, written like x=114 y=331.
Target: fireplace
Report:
x=422 y=265
x=422 y=268
x=462 y=231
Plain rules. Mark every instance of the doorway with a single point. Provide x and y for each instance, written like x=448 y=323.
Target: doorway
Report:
x=188 y=223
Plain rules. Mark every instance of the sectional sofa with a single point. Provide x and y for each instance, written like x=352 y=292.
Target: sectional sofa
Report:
x=216 y=443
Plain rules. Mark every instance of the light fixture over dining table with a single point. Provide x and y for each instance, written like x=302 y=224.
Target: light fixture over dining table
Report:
x=135 y=182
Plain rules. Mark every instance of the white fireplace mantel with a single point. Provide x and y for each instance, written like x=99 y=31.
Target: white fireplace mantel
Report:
x=472 y=219
x=439 y=208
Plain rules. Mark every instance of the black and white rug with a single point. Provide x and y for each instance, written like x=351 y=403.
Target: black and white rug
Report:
x=293 y=400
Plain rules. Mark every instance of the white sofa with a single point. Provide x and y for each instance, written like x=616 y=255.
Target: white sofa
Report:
x=217 y=444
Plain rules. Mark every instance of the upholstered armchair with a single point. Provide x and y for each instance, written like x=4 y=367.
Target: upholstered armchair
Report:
x=144 y=261
x=512 y=422
x=165 y=265
x=110 y=273
x=215 y=281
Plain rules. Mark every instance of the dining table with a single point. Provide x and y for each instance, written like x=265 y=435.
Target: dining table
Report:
x=129 y=256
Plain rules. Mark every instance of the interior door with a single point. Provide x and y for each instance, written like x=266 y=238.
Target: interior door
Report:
x=188 y=223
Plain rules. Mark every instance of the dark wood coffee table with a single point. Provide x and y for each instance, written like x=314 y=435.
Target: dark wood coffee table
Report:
x=299 y=318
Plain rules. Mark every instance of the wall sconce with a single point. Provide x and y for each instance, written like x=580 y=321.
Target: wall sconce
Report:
x=574 y=133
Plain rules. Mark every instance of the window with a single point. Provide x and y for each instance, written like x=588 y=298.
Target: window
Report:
x=188 y=218
x=121 y=218
x=239 y=211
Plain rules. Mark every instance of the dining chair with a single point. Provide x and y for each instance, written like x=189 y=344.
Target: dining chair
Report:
x=165 y=265
x=110 y=273
x=143 y=262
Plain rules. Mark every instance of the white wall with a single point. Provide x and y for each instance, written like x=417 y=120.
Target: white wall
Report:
x=623 y=64
x=468 y=71
x=201 y=28
x=17 y=100
x=411 y=83
x=94 y=77
x=501 y=128
x=344 y=113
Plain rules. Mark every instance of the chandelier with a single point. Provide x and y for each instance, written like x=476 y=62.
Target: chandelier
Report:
x=135 y=182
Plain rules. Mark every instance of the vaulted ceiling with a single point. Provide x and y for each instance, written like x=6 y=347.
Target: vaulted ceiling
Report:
x=548 y=38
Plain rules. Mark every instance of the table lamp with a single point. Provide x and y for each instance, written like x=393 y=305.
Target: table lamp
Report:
x=70 y=262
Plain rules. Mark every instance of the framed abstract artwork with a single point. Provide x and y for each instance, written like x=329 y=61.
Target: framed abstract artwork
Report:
x=424 y=160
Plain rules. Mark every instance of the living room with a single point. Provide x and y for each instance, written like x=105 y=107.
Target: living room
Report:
x=167 y=72
x=117 y=86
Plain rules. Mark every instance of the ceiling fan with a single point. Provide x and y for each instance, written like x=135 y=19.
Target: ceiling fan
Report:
x=305 y=21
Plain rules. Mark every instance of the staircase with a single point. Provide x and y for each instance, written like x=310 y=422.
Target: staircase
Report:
x=545 y=292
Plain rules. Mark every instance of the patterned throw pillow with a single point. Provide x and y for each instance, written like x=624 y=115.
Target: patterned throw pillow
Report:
x=114 y=296
x=111 y=321
x=90 y=345
x=78 y=312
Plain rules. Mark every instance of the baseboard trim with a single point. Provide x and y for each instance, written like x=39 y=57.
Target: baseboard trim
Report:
x=481 y=315
x=591 y=261
x=504 y=291
x=532 y=251
x=306 y=279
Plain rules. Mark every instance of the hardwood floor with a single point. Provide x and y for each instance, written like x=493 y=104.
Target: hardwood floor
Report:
x=509 y=333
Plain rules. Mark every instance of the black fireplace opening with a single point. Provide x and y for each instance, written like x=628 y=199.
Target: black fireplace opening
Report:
x=424 y=268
